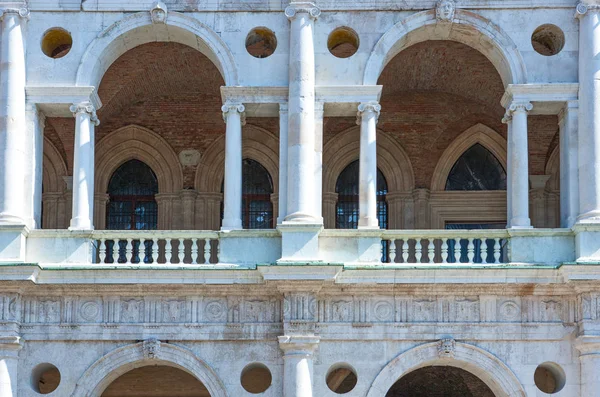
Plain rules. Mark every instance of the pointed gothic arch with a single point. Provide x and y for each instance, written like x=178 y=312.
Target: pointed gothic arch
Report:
x=478 y=134
x=54 y=169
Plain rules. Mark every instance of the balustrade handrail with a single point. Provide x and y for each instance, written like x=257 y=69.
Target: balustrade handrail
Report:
x=444 y=233
x=160 y=234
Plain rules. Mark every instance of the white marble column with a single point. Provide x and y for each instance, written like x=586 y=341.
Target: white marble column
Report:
x=318 y=177
x=298 y=354
x=301 y=127
x=589 y=359
x=13 y=139
x=508 y=121
x=589 y=111
x=283 y=161
x=233 y=114
x=569 y=166
x=9 y=363
x=83 y=166
x=518 y=155
x=367 y=116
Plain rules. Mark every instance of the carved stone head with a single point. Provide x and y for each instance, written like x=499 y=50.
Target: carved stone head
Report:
x=444 y=10
x=151 y=347
x=158 y=13
x=446 y=348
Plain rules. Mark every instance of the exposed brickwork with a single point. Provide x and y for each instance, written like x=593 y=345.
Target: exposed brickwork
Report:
x=433 y=91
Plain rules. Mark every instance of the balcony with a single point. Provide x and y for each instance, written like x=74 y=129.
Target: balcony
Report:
x=247 y=249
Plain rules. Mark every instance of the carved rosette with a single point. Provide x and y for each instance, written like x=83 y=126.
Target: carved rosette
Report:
x=447 y=348
x=445 y=10
x=368 y=109
x=151 y=347
x=519 y=106
x=158 y=12
x=234 y=107
x=302 y=7
x=85 y=107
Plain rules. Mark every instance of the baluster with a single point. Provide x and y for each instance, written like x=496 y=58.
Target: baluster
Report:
x=471 y=250
x=431 y=250
x=102 y=254
x=418 y=250
x=483 y=252
x=168 y=251
x=444 y=250
x=154 y=250
x=129 y=251
x=496 y=250
x=181 y=247
x=194 y=251
x=405 y=251
x=110 y=251
x=457 y=250
x=393 y=250
x=207 y=250
x=142 y=251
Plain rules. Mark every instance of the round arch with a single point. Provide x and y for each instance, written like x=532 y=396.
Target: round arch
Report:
x=137 y=29
x=392 y=160
x=479 y=133
x=121 y=360
x=135 y=142
x=468 y=28
x=54 y=169
x=553 y=169
x=491 y=370
x=257 y=144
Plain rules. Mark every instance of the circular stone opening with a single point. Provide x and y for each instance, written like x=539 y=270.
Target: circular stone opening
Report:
x=261 y=42
x=548 y=40
x=56 y=43
x=549 y=377
x=256 y=378
x=45 y=378
x=343 y=42
x=341 y=378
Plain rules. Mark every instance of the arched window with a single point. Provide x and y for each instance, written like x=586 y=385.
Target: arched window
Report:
x=257 y=187
x=131 y=202
x=347 y=205
x=477 y=169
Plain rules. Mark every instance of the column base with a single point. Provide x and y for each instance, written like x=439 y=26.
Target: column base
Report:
x=81 y=224
x=10 y=219
x=590 y=217
x=231 y=224
x=301 y=217
x=520 y=223
x=299 y=242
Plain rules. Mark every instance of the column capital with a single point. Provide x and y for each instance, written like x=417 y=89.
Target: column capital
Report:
x=586 y=6
x=569 y=106
x=507 y=117
x=283 y=107
x=10 y=346
x=18 y=9
x=519 y=106
x=85 y=107
x=296 y=8
x=230 y=107
x=367 y=108
x=298 y=344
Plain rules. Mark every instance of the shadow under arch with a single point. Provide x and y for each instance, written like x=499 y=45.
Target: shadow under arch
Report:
x=479 y=133
x=491 y=370
x=121 y=360
x=135 y=142
x=54 y=169
x=138 y=29
x=392 y=160
x=257 y=144
x=468 y=28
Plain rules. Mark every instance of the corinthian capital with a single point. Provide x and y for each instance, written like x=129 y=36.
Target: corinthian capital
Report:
x=519 y=106
x=296 y=8
x=230 y=107
x=85 y=107
x=367 y=108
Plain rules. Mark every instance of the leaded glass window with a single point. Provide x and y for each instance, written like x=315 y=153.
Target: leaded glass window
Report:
x=477 y=169
x=257 y=187
x=347 y=206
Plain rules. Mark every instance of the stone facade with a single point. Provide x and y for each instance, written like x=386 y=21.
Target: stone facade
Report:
x=304 y=308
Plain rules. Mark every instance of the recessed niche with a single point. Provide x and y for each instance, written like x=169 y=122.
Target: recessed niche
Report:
x=256 y=378
x=45 y=378
x=549 y=377
x=343 y=42
x=56 y=43
x=261 y=42
x=548 y=40
x=341 y=378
